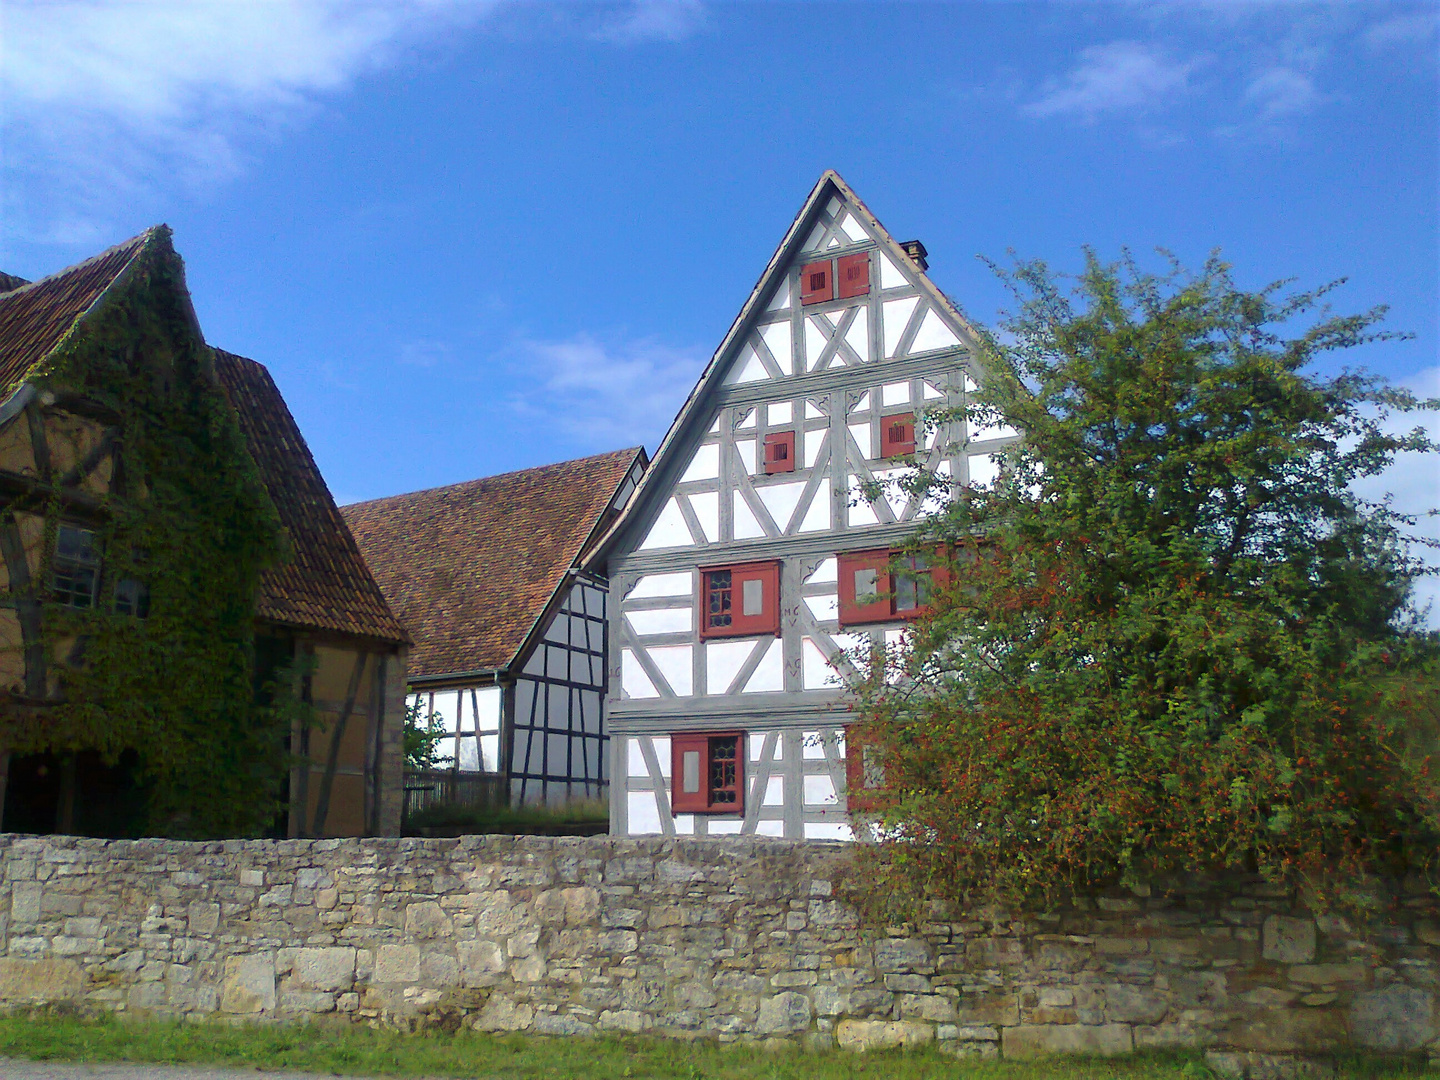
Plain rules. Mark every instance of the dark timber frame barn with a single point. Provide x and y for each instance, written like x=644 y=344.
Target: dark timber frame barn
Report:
x=510 y=635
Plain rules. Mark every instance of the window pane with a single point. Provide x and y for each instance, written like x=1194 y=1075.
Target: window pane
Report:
x=718 y=590
x=724 y=790
x=690 y=771
x=752 y=594
x=867 y=585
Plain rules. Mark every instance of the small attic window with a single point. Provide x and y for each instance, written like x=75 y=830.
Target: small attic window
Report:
x=897 y=435
x=779 y=452
x=817 y=282
x=854 y=275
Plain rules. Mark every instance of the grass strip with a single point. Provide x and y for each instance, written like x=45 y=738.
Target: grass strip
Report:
x=361 y=1051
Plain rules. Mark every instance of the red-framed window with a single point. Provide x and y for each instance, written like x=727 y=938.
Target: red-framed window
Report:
x=897 y=434
x=817 y=282
x=742 y=600
x=863 y=773
x=779 y=452
x=707 y=773
x=883 y=586
x=852 y=278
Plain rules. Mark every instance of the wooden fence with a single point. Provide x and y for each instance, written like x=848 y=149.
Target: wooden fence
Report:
x=446 y=787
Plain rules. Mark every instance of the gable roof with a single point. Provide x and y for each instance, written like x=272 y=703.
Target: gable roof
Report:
x=829 y=185
x=35 y=318
x=470 y=568
x=326 y=586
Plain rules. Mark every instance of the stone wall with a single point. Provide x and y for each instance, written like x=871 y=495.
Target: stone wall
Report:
x=727 y=939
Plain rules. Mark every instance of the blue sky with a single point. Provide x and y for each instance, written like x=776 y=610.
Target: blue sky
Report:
x=472 y=237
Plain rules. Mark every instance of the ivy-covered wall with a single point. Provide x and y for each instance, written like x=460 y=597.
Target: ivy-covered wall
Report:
x=128 y=436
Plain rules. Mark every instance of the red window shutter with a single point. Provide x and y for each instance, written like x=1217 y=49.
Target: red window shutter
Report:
x=689 y=773
x=862 y=776
x=779 y=452
x=897 y=435
x=864 y=587
x=740 y=601
x=853 y=277
x=817 y=282
x=707 y=773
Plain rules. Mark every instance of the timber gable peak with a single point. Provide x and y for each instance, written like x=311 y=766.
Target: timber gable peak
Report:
x=840 y=304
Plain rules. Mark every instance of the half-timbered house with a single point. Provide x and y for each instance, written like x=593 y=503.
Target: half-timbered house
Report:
x=510 y=634
x=170 y=551
x=752 y=563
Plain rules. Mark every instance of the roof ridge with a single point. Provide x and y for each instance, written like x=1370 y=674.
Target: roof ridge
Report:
x=139 y=241
x=496 y=476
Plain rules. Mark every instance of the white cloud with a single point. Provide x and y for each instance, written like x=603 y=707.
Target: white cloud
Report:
x=1282 y=92
x=1123 y=76
x=425 y=352
x=654 y=20
x=100 y=96
x=607 y=394
x=1402 y=31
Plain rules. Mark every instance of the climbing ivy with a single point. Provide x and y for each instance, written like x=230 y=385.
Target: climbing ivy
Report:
x=186 y=514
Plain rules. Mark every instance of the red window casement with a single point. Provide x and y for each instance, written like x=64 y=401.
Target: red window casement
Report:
x=863 y=773
x=853 y=276
x=740 y=601
x=779 y=452
x=707 y=773
x=897 y=435
x=817 y=282
x=879 y=586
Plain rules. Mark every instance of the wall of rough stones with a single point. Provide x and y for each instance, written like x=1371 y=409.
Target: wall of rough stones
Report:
x=728 y=939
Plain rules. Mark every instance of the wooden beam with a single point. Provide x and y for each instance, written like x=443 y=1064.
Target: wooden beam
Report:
x=322 y=804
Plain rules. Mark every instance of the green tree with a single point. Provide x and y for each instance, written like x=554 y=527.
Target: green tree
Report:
x=1169 y=627
x=423 y=735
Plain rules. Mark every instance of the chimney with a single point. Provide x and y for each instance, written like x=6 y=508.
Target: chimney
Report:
x=917 y=253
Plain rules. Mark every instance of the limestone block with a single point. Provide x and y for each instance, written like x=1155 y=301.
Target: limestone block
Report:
x=556 y=1024
x=881 y=1034
x=785 y=1012
x=826 y=914
x=998 y=1008
x=1329 y=974
x=830 y=1001
x=203 y=918
x=530 y=969
x=1393 y=1019
x=624 y=1020
x=504 y=1014
x=931 y=1007
x=248 y=984
x=899 y=955
x=1031 y=1041
x=1238 y=1065
x=25 y=902
x=497 y=915
x=1288 y=941
x=50 y=981
x=325 y=969
x=427 y=920
x=397 y=964
x=1134 y=1005
x=1289 y=1030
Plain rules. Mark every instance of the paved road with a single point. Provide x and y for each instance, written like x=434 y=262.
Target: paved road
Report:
x=12 y=1069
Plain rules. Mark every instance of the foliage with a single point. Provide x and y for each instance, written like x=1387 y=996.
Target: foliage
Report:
x=1170 y=625
x=512 y=818
x=187 y=514
x=355 y=1050
x=423 y=736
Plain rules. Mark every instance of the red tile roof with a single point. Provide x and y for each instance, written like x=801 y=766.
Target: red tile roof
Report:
x=35 y=318
x=469 y=568
x=327 y=585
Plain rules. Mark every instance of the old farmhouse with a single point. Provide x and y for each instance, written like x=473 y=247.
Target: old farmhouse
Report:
x=749 y=564
x=190 y=642
x=510 y=634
